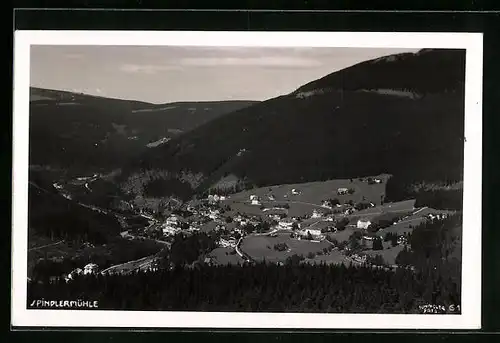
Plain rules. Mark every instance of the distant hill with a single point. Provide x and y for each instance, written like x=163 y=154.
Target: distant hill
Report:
x=401 y=114
x=83 y=132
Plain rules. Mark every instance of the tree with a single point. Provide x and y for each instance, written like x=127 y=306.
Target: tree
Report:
x=309 y=236
x=377 y=244
x=341 y=225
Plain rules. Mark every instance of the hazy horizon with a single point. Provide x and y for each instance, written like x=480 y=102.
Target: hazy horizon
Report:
x=165 y=74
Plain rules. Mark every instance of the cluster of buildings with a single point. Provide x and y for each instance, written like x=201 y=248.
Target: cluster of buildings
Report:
x=438 y=216
x=215 y=199
x=230 y=242
x=89 y=269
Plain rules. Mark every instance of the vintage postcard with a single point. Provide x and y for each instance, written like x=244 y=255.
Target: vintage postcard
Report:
x=287 y=180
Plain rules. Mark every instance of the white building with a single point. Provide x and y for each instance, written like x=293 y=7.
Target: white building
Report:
x=255 y=202
x=363 y=224
x=271 y=197
x=90 y=268
x=342 y=191
x=285 y=224
x=377 y=180
x=254 y=197
x=295 y=192
x=316 y=214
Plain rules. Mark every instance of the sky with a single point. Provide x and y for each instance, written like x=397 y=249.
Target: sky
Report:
x=163 y=74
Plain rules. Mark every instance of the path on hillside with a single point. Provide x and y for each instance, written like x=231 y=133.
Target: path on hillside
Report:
x=47 y=245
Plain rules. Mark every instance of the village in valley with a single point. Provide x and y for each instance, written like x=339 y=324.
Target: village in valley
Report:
x=332 y=222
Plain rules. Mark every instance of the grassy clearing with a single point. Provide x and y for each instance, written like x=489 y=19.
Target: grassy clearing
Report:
x=343 y=235
x=316 y=192
x=224 y=256
x=262 y=247
x=389 y=253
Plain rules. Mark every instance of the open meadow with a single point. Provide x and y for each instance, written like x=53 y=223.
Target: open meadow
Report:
x=262 y=247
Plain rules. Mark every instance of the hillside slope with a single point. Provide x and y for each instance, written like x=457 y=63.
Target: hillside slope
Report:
x=83 y=132
x=401 y=114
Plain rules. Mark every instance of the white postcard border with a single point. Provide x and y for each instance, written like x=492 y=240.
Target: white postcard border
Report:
x=470 y=318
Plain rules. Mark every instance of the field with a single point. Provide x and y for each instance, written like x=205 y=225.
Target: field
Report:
x=223 y=256
x=316 y=192
x=262 y=247
x=333 y=257
x=389 y=253
x=400 y=207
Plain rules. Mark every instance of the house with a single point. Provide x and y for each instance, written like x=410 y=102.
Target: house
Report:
x=438 y=216
x=295 y=192
x=377 y=180
x=342 y=191
x=170 y=230
x=172 y=221
x=316 y=214
x=349 y=211
x=326 y=204
x=271 y=197
x=90 y=268
x=315 y=233
x=228 y=243
x=359 y=259
x=285 y=224
x=254 y=197
x=274 y=216
x=363 y=224
x=402 y=240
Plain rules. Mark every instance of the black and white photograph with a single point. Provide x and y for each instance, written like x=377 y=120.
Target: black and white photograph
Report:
x=247 y=179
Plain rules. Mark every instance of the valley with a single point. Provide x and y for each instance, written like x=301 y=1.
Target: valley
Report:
x=355 y=178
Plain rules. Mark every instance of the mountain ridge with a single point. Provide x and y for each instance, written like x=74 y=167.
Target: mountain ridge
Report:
x=345 y=132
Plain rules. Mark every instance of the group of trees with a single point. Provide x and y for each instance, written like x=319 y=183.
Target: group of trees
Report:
x=186 y=249
x=440 y=199
x=294 y=287
x=280 y=246
x=435 y=250
x=403 y=188
x=53 y=216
